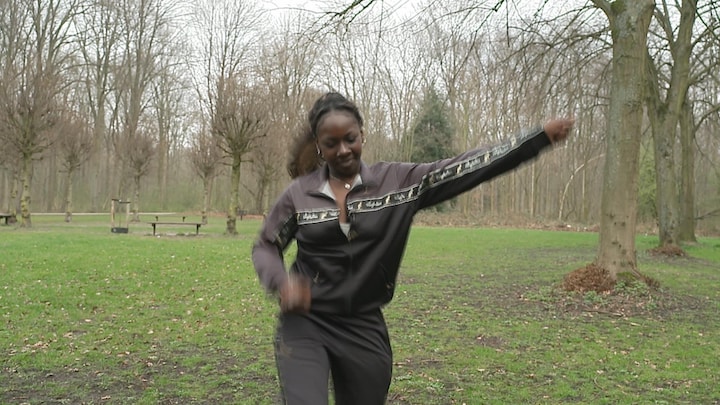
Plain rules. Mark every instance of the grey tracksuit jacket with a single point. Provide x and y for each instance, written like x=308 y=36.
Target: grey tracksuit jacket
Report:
x=356 y=273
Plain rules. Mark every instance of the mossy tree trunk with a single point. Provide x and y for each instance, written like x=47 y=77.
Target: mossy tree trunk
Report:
x=629 y=22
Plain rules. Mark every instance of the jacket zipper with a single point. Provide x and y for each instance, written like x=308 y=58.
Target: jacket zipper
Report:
x=351 y=259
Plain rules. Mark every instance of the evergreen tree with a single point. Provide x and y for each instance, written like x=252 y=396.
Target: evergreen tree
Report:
x=432 y=131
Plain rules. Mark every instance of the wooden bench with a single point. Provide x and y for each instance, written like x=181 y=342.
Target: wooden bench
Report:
x=7 y=217
x=157 y=222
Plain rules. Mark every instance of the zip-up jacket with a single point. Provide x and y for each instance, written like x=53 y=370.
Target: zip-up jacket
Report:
x=356 y=273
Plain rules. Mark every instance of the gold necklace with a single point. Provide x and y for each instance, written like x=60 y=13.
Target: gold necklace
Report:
x=346 y=185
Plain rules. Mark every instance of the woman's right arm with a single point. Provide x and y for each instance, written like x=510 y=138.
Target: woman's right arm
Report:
x=276 y=233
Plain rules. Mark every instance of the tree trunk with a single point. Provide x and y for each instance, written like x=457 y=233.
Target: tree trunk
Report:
x=26 y=177
x=234 y=195
x=96 y=175
x=14 y=192
x=585 y=215
x=163 y=152
x=136 y=199
x=531 y=198
x=629 y=22
x=68 y=196
x=493 y=200
x=51 y=186
x=686 y=229
x=666 y=185
x=664 y=117
x=119 y=179
x=4 y=189
x=207 y=182
x=262 y=185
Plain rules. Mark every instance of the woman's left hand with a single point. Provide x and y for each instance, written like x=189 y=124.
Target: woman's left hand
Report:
x=558 y=129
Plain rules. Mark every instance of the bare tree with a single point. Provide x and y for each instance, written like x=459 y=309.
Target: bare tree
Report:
x=287 y=70
x=665 y=104
x=146 y=25
x=138 y=154
x=168 y=102
x=75 y=145
x=206 y=158
x=98 y=38
x=266 y=168
x=12 y=43
x=36 y=33
x=698 y=105
x=700 y=151
x=629 y=22
x=227 y=31
x=238 y=123
x=400 y=73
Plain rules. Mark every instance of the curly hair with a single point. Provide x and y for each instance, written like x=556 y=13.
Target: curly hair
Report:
x=304 y=156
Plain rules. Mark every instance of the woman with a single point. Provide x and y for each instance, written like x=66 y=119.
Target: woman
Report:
x=351 y=222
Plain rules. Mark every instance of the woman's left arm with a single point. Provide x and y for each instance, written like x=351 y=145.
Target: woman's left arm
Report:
x=448 y=178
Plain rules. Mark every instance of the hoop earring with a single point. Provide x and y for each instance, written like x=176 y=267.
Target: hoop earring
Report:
x=319 y=153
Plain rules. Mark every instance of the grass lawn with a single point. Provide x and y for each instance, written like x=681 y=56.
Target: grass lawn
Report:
x=91 y=317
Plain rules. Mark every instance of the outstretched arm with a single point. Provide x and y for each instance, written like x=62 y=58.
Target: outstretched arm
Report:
x=445 y=179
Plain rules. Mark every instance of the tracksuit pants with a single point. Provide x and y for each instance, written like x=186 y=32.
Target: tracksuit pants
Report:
x=353 y=350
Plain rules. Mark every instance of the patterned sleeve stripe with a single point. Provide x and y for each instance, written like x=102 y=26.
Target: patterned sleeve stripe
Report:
x=396 y=198
x=432 y=179
x=317 y=216
x=474 y=162
x=286 y=233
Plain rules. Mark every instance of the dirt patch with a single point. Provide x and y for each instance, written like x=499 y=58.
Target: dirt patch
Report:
x=487 y=220
x=632 y=302
x=490 y=341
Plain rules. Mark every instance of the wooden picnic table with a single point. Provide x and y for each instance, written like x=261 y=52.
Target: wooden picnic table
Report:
x=157 y=222
x=6 y=217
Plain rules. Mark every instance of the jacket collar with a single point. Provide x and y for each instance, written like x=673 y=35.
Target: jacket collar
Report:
x=316 y=180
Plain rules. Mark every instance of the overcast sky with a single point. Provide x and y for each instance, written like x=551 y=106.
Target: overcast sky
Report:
x=321 y=5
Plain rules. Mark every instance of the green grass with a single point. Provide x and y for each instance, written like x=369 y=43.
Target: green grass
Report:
x=94 y=317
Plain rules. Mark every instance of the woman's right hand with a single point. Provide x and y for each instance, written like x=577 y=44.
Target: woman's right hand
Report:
x=295 y=295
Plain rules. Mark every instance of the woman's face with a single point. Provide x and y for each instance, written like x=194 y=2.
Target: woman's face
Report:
x=340 y=140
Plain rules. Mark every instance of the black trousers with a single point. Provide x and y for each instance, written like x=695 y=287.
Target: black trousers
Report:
x=354 y=350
